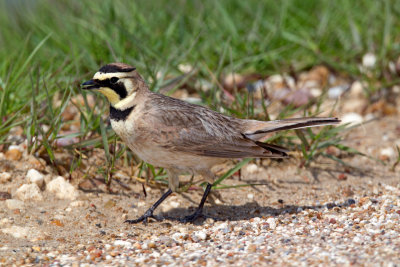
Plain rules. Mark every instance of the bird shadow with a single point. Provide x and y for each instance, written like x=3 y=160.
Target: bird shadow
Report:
x=246 y=211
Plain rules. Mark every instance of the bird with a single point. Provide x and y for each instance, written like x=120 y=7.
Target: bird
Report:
x=182 y=137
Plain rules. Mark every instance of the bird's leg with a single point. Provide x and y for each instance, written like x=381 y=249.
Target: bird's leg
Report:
x=173 y=179
x=149 y=212
x=199 y=210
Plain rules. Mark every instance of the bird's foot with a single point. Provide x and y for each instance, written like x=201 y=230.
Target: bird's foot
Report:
x=192 y=217
x=144 y=218
x=149 y=213
x=199 y=210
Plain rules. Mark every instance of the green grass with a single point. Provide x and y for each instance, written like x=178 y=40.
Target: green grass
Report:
x=47 y=48
x=397 y=160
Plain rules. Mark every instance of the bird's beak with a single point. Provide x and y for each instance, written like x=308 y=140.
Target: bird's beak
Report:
x=89 y=85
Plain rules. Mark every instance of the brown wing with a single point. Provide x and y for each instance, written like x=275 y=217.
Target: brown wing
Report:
x=184 y=127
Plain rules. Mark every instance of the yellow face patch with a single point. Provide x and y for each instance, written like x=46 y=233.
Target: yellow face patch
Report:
x=111 y=95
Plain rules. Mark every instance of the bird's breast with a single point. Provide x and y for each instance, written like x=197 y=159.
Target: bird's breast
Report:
x=125 y=129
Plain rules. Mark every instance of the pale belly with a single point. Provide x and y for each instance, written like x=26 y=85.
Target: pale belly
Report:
x=152 y=153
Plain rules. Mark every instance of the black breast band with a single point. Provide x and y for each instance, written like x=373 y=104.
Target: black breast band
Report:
x=117 y=115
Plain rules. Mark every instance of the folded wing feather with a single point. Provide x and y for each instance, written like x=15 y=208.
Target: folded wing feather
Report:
x=201 y=131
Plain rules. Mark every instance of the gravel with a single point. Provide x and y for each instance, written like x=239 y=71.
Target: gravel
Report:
x=362 y=230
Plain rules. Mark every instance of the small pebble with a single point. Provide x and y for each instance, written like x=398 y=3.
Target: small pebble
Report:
x=13 y=154
x=387 y=153
x=351 y=201
x=337 y=91
x=369 y=60
x=35 y=177
x=251 y=168
x=272 y=223
x=62 y=189
x=29 y=192
x=201 y=235
x=13 y=204
x=5 y=177
x=351 y=119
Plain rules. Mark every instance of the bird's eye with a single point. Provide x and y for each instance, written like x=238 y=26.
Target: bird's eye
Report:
x=114 y=80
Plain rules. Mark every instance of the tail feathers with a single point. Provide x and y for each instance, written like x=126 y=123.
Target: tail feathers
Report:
x=276 y=150
x=258 y=129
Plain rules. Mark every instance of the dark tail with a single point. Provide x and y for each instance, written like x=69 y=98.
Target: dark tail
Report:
x=258 y=129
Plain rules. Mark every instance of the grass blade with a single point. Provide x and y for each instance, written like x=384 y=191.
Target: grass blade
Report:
x=229 y=173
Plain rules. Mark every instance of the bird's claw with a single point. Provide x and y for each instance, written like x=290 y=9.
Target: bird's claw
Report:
x=191 y=218
x=144 y=218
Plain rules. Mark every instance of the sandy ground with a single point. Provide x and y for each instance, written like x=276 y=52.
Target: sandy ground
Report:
x=77 y=230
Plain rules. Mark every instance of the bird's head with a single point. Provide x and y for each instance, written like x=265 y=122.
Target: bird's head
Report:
x=118 y=82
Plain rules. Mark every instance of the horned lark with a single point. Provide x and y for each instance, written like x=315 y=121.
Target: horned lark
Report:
x=179 y=136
